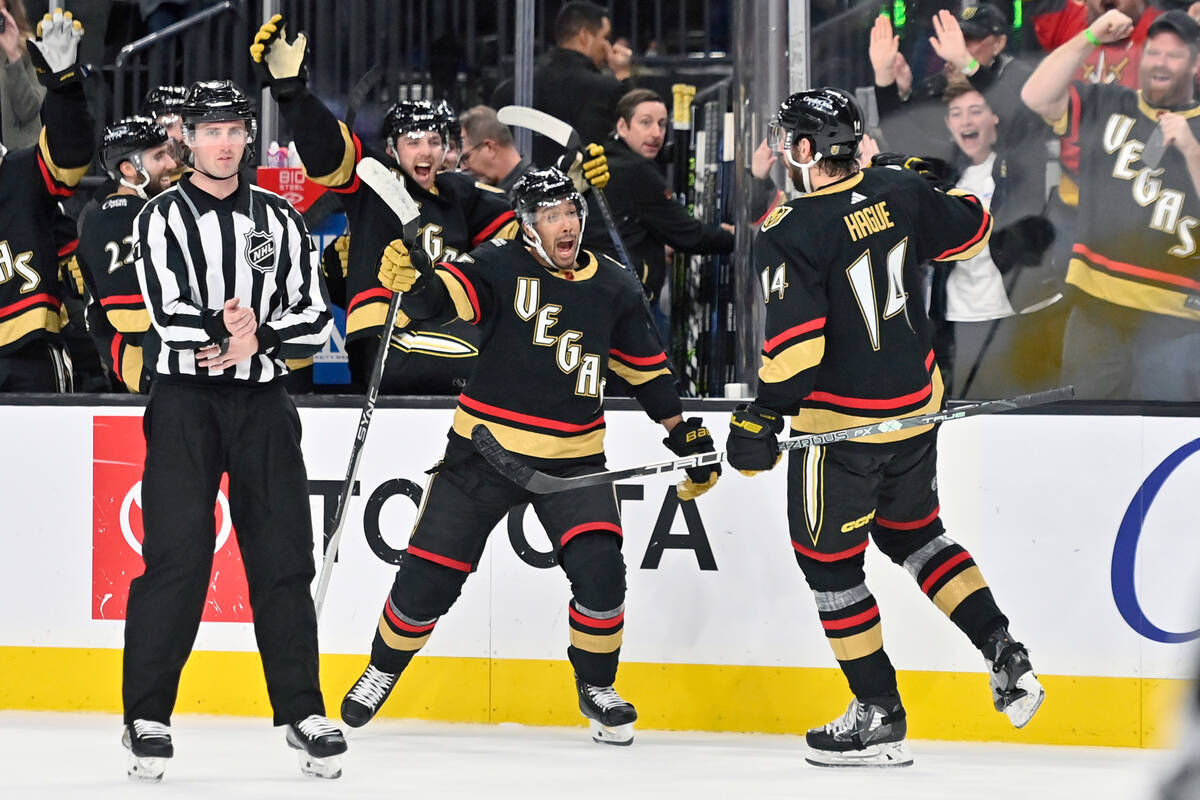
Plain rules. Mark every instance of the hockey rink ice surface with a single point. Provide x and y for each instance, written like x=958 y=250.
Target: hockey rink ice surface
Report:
x=61 y=755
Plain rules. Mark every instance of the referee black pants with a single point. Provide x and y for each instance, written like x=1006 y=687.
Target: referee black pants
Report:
x=193 y=435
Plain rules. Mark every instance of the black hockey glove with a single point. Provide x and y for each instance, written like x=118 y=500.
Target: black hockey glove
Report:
x=688 y=438
x=752 y=446
x=934 y=170
x=283 y=66
x=54 y=52
x=1022 y=243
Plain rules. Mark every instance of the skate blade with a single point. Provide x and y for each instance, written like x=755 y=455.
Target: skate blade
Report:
x=888 y=755
x=146 y=770
x=1021 y=710
x=621 y=735
x=329 y=767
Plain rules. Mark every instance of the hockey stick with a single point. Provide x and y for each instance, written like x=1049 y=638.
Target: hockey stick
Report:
x=513 y=467
x=567 y=137
x=358 y=94
x=392 y=191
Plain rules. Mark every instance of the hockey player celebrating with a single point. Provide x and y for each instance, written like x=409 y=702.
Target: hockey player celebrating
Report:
x=138 y=155
x=32 y=182
x=845 y=345
x=457 y=214
x=553 y=320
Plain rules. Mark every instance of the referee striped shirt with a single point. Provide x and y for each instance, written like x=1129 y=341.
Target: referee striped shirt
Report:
x=193 y=252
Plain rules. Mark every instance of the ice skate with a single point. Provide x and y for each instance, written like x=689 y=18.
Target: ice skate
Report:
x=320 y=744
x=865 y=736
x=149 y=745
x=1015 y=688
x=610 y=718
x=366 y=696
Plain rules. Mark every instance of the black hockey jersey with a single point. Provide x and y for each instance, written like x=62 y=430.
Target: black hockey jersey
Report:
x=458 y=216
x=847 y=338
x=1137 y=241
x=32 y=182
x=547 y=341
x=117 y=319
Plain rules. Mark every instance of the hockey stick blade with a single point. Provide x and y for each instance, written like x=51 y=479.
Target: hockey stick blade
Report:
x=391 y=189
x=540 y=122
x=511 y=465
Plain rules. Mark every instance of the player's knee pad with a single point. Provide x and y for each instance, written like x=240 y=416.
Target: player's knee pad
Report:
x=831 y=576
x=899 y=544
x=425 y=590
x=596 y=569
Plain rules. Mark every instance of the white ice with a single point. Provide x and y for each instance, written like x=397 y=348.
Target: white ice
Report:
x=58 y=755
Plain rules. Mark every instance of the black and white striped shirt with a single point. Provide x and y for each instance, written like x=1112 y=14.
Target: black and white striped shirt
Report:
x=193 y=252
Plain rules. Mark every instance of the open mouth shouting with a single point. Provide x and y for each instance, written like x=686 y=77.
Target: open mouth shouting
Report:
x=564 y=248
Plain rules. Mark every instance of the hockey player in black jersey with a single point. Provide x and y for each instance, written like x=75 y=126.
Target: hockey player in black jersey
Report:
x=138 y=155
x=32 y=183
x=847 y=342
x=457 y=215
x=553 y=320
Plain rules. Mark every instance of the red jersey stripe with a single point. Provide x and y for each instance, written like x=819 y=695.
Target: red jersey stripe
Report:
x=32 y=300
x=122 y=300
x=983 y=227
x=872 y=403
x=51 y=185
x=378 y=293
x=790 y=333
x=828 y=557
x=496 y=224
x=404 y=626
x=592 y=622
x=943 y=569
x=466 y=284
x=850 y=622
x=529 y=419
x=354 y=185
x=908 y=526
x=445 y=561
x=1132 y=269
x=586 y=527
x=116 y=356
x=639 y=361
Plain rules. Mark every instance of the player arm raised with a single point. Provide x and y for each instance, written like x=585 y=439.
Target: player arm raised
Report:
x=1046 y=91
x=326 y=146
x=65 y=147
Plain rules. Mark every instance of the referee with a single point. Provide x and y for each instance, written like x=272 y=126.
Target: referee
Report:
x=230 y=279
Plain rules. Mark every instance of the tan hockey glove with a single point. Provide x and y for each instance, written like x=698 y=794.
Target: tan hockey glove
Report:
x=55 y=50
x=279 y=60
x=687 y=438
x=401 y=270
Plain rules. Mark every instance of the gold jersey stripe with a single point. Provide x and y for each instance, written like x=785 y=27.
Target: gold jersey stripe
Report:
x=372 y=314
x=129 y=320
x=1129 y=293
x=592 y=643
x=634 y=376
x=397 y=642
x=792 y=361
x=959 y=588
x=131 y=367
x=68 y=176
x=345 y=170
x=528 y=443
x=819 y=420
x=859 y=645
x=459 y=296
x=25 y=323
x=509 y=231
x=299 y=363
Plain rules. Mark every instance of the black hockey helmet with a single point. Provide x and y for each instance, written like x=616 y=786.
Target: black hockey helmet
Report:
x=544 y=187
x=450 y=116
x=127 y=139
x=217 y=101
x=411 y=116
x=164 y=101
x=827 y=116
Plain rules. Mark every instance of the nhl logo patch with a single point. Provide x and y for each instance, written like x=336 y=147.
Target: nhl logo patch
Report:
x=260 y=251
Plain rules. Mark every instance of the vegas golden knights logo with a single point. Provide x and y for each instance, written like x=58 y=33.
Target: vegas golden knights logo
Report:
x=775 y=217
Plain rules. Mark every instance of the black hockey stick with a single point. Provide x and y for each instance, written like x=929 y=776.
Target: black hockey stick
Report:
x=358 y=94
x=513 y=467
x=566 y=136
x=392 y=191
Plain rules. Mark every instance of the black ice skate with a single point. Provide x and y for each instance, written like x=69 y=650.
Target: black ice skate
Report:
x=865 y=736
x=609 y=717
x=320 y=743
x=367 y=694
x=1015 y=688
x=149 y=746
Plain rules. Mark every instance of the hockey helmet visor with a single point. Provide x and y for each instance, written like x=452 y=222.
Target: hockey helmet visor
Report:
x=218 y=101
x=828 y=117
x=126 y=140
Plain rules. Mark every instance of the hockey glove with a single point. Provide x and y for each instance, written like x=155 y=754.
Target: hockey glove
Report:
x=752 y=446
x=72 y=277
x=1022 y=243
x=401 y=270
x=283 y=65
x=688 y=438
x=54 y=52
x=586 y=174
x=934 y=170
